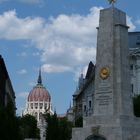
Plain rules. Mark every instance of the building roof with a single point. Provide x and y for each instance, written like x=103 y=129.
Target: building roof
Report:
x=89 y=70
x=90 y=75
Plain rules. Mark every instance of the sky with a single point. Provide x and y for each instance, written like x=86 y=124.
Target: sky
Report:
x=57 y=35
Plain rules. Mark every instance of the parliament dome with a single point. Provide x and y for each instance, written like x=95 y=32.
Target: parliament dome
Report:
x=39 y=92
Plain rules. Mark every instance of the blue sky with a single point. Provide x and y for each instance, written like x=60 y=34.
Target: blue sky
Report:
x=58 y=35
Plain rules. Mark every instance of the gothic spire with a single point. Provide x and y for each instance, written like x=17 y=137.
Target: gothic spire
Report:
x=39 y=81
x=70 y=104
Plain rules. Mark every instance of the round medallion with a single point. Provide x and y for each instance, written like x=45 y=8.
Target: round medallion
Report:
x=104 y=73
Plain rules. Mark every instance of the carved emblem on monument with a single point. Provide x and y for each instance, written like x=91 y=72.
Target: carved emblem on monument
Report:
x=104 y=73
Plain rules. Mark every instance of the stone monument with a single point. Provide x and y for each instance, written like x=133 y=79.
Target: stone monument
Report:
x=113 y=117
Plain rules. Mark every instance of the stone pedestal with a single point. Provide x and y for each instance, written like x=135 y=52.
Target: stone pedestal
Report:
x=110 y=128
x=113 y=111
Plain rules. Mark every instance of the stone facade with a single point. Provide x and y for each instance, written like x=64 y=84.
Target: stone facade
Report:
x=112 y=117
x=83 y=96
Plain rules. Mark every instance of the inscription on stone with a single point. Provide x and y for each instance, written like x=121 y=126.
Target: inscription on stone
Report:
x=104 y=99
x=104 y=95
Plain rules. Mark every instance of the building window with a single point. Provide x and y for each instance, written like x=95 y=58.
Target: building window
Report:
x=41 y=105
x=31 y=105
x=36 y=105
x=85 y=108
x=131 y=67
x=132 y=88
x=89 y=104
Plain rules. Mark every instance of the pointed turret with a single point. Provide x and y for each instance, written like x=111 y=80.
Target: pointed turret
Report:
x=39 y=81
x=70 y=105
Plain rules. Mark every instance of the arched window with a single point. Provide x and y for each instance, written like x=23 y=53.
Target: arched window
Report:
x=36 y=105
x=31 y=105
x=40 y=105
x=89 y=104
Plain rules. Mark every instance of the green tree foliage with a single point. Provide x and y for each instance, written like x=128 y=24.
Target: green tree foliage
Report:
x=65 y=129
x=79 y=122
x=16 y=128
x=136 y=105
x=9 y=125
x=58 y=128
x=52 y=127
x=28 y=127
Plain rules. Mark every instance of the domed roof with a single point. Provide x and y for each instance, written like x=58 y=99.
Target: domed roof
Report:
x=39 y=92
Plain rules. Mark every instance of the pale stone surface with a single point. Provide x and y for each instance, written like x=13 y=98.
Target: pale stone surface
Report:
x=113 y=113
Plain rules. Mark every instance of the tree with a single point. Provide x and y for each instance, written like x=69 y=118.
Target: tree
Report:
x=58 y=128
x=28 y=127
x=136 y=106
x=79 y=121
x=65 y=129
x=9 y=124
x=52 y=127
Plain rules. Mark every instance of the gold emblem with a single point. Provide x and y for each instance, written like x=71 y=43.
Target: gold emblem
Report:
x=104 y=73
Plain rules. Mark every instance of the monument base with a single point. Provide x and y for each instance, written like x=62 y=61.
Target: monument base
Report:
x=109 y=128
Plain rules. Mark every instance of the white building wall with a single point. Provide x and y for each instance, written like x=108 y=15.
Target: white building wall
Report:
x=88 y=99
x=135 y=73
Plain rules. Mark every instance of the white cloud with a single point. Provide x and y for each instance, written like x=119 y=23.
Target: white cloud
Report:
x=138 y=21
x=31 y=1
x=54 y=68
x=79 y=71
x=65 y=43
x=132 y=27
x=22 y=71
x=14 y=28
x=36 y=54
x=23 y=54
x=70 y=41
x=23 y=95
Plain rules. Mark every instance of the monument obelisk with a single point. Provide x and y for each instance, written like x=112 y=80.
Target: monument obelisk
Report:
x=112 y=78
x=113 y=117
